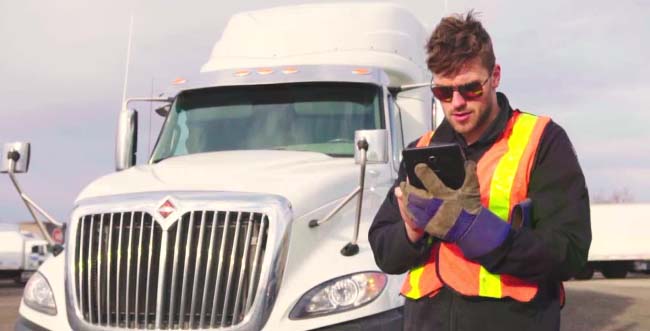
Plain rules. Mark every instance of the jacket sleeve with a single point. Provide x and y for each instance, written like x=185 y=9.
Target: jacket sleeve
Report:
x=394 y=252
x=556 y=244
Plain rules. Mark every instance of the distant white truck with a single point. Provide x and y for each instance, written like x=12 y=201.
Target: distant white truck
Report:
x=20 y=255
x=253 y=209
x=620 y=240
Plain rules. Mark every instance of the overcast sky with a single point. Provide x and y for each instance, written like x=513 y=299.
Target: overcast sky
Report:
x=584 y=63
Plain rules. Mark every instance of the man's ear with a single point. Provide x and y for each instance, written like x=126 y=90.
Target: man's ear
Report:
x=496 y=76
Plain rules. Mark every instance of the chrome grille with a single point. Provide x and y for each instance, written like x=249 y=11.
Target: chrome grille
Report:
x=201 y=272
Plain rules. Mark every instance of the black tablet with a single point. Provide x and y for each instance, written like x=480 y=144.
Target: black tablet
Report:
x=446 y=160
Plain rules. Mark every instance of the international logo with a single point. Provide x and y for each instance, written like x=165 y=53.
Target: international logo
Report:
x=166 y=208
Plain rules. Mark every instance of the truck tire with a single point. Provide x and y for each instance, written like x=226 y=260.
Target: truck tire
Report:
x=586 y=273
x=615 y=270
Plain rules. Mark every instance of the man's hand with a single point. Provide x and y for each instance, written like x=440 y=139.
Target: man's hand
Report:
x=441 y=211
x=412 y=231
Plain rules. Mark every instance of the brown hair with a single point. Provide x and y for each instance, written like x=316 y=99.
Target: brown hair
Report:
x=455 y=41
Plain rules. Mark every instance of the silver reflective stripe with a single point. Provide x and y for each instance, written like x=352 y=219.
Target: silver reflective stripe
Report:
x=149 y=258
x=80 y=266
x=242 y=270
x=119 y=278
x=172 y=302
x=217 y=283
x=188 y=244
x=90 y=264
x=231 y=267
x=109 y=260
x=197 y=267
x=138 y=267
x=161 y=281
x=128 y=270
x=99 y=269
x=208 y=270
x=256 y=262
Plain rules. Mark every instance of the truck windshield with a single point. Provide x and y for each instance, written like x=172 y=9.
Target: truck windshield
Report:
x=317 y=117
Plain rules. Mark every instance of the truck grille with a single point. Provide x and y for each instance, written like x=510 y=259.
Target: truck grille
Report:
x=202 y=272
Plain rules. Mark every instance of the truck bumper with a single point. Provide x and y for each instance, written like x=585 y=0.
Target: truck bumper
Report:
x=387 y=321
x=391 y=320
x=24 y=325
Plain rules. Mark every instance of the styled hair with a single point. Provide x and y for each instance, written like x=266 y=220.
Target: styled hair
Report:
x=457 y=40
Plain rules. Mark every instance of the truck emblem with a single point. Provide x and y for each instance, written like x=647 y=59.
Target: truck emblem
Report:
x=166 y=209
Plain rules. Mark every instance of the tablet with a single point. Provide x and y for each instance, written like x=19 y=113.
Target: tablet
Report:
x=446 y=160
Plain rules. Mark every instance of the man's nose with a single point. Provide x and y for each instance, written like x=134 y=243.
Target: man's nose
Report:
x=457 y=100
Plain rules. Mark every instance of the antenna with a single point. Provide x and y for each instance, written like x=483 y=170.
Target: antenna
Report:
x=128 y=60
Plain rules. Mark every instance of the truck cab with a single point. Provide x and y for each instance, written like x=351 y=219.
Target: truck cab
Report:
x=253 y=209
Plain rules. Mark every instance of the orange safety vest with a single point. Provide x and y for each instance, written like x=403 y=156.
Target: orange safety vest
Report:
x=503 y=173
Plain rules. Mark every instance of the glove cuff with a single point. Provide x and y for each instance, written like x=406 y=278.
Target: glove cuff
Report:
x=485 y=233
x=462 y=224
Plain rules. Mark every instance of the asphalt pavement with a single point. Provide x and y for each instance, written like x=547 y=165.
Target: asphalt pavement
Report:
x=10 y=295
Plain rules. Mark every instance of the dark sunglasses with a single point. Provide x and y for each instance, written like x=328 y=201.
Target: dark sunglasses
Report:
x=469 y=91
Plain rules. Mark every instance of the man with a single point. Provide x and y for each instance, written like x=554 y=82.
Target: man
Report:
x=492 y=254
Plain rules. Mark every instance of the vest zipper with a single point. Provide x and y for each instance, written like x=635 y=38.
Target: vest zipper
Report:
x=452 y=311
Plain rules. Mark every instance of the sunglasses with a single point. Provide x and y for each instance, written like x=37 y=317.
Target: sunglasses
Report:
x=469 y=91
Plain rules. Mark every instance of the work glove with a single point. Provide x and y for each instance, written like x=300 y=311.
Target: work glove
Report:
x=440 y=211
x=455 y=215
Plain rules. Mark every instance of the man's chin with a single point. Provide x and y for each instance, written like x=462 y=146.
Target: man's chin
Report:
x=463 y=129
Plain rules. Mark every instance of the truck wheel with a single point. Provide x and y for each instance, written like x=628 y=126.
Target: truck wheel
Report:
x=586 y=273
x=615 y=270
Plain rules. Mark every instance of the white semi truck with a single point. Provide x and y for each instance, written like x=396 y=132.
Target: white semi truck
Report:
x=20 y=254
x=253 y=209
x=619 y=244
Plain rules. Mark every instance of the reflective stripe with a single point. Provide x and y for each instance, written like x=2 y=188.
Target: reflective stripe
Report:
x=501 y=190
x=504 y=174
x=414 y=280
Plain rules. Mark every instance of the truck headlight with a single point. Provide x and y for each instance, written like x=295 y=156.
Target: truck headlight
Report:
x=340 y=294
x=38 y=295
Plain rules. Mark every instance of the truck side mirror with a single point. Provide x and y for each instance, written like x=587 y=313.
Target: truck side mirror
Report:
x=377 y=145
x=15 y=157
x=126 y=145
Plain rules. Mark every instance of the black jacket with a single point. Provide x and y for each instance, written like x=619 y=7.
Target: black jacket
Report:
x=553 y=249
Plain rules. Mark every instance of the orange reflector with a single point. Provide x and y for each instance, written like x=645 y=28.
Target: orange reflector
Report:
x=361 y=71
x=265 y=71
x=179 y=81
x=242 y=73
x=289 y=71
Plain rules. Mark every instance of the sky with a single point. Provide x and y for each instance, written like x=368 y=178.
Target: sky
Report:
x=62 y=68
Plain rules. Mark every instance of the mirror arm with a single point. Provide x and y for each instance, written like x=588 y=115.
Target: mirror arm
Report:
x=129 y=100
x=394 y=90
x=352 y=248
x=28 y=202
x=357 y=191
x=314 y=223
x=41 y=210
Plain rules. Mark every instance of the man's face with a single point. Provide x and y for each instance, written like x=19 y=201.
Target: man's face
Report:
x=472 y=114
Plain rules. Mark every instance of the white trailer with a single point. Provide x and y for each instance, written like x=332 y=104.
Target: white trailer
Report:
x=20 y=255
x=252 y=212
x=619 y=244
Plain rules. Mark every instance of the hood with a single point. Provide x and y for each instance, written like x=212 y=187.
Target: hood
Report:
x=306 y=179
